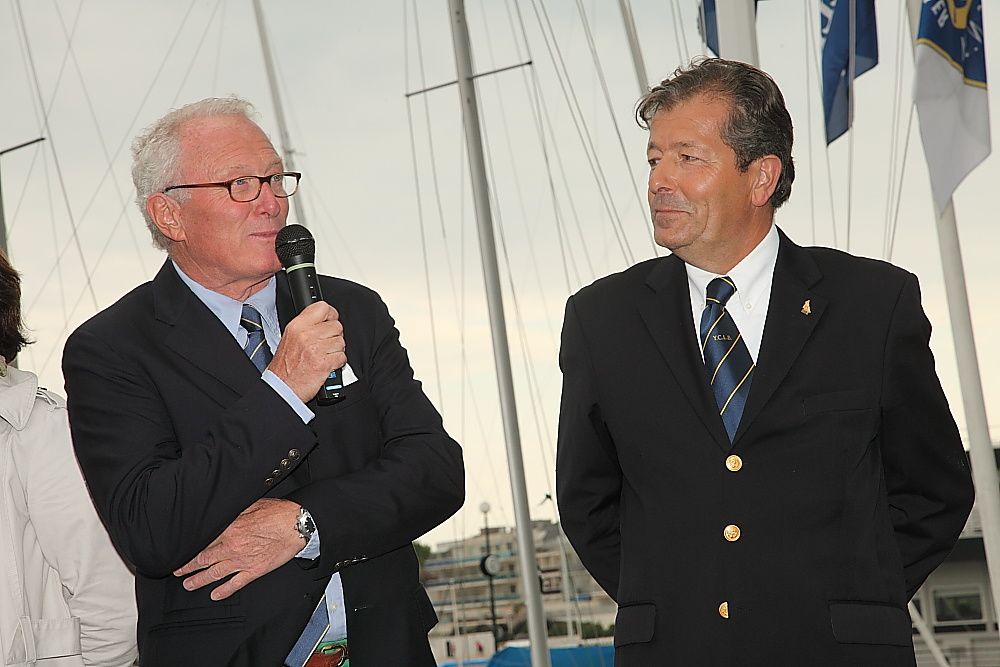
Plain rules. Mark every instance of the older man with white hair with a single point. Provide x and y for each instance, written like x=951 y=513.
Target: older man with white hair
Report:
x=265 y=527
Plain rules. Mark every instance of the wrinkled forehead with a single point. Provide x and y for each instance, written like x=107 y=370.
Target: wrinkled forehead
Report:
x=215 y=146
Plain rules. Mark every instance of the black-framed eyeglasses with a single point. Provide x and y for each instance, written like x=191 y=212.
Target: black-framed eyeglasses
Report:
x=247 y=188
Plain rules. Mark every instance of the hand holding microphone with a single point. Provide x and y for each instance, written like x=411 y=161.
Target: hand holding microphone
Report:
x=312 y=349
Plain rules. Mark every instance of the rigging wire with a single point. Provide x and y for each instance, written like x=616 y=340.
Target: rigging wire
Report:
x=515 y=302
x=540 y=135
x=576 y=114
x=55 y=157
x=851 y=83
x=420 y=210
x=97 y=127
x=813 y=49
x=809 y=128
x=432 y=157
x=185 y=78
x=303 y=165
x=218 y=48
x=122 y=143
x=12 y=222
x=529 y=236
x=599 y=69
x=681 y=25
x=536 y=115
x=902 y=174
x=545 y=119
x=894 y=132
x=448 y=261
x=55 y=238
x=100 y=258
x=128 y=132
x=676 y=19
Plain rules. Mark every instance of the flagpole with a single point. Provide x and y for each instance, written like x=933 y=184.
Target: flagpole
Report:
x=736 y=21
x=852 y=65
x=981 y=456
x=638 y=64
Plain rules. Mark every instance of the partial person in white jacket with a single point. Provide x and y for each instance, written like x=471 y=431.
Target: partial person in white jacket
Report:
x=66 y=598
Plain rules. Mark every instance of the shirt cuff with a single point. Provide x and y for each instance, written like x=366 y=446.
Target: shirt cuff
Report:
x=294 y=402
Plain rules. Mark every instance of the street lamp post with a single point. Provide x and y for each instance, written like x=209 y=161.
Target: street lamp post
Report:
x=489 y=566
x=3 y=220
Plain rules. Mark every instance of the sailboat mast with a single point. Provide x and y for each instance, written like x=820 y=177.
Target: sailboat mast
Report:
x=279 y=111
x=736 y=21
x=633 y=45
x=501 y=351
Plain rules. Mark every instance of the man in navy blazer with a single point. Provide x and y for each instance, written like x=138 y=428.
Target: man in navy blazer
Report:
x=756 y=459
x=256 y=519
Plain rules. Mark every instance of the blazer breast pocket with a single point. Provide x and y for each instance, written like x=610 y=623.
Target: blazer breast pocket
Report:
x=351 y=394
x=838 y=401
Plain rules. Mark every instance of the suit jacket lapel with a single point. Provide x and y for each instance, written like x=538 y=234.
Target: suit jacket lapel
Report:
x=787 y=327
x=666 y=310
x=197 y=335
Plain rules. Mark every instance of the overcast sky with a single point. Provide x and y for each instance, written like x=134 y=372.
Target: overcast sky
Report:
x=568 y=188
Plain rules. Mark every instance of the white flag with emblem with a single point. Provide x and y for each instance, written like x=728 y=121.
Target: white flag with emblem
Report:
x=950 y=92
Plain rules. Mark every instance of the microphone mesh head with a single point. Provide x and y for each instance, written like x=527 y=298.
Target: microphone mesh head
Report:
x=294 y=241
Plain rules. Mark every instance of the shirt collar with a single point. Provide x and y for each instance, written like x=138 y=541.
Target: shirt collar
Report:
x=229 y=310
x=751 y=274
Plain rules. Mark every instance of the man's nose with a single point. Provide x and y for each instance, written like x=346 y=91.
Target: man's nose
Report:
x=661 y=178
x=267 y=201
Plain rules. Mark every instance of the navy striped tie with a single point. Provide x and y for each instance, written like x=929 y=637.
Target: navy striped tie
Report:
x=256 y=347
x=727 y=361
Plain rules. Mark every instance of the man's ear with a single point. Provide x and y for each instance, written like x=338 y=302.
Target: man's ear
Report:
x=166 y=215
x=765 y=172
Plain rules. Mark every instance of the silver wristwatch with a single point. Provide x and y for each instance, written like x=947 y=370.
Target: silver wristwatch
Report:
x=305 y=524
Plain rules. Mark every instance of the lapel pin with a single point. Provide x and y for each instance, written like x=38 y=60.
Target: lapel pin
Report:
x=806 y=310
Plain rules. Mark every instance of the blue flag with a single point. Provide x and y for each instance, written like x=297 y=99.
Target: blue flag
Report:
x=835 y=29
x=708 y=25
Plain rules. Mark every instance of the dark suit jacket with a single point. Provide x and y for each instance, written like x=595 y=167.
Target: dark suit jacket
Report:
x=176 y=434
x=853 y=486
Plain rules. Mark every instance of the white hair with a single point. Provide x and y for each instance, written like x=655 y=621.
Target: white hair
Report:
x=156 y=153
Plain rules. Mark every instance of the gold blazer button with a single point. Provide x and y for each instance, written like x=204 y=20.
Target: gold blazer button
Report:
x=731 y=532
x=734 y=463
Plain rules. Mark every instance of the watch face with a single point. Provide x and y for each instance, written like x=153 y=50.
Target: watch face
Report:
x=305 y=525
x=490 y=565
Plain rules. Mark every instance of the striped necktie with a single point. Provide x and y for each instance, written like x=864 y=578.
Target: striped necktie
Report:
x=728 y=364
x=256 y=347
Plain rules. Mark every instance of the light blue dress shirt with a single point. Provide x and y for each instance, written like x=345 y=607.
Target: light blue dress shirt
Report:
x=229 y=311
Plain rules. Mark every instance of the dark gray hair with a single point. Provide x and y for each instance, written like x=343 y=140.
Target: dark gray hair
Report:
x=758 y=123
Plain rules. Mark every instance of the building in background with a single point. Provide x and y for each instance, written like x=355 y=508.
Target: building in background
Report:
x=460 y=591
x=955 y=603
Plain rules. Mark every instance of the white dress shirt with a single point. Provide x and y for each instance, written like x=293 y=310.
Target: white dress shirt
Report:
x=229 y=312
x=753 y=277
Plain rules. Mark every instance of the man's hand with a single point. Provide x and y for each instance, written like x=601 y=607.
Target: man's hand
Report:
x=311 y=347
x=261 y=539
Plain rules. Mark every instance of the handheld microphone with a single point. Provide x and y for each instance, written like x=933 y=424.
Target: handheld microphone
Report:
x=296 y=249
